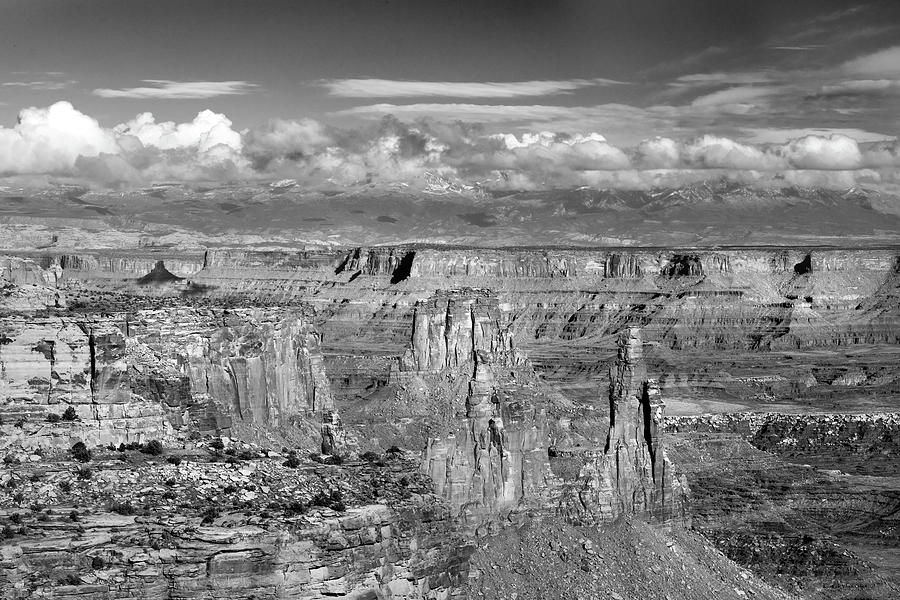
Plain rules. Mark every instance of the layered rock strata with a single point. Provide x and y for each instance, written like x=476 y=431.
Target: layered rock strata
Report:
x=632 y=473
x=134 y=376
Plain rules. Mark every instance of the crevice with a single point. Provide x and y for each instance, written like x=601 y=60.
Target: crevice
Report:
x=804 y=267
x=92 y=349
x=647 y=414
x=404 y=268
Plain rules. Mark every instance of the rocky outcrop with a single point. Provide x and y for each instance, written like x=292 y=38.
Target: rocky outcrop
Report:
x=632 y=474
x=135 y=376
x=202 y=528
x=492 y=460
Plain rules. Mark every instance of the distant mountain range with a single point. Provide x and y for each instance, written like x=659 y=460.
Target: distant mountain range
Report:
x=445 y=212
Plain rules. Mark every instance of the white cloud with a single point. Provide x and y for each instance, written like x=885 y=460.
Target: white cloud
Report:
x=766 y=135
x=476 y=112
x=165 y=89
x=861 y=86
x=722 y=78
x=882 y=63
x=713 y=152
x=60 y=140
x=48 y=140
x=208 y=129
x=659 y=153
x=835 y=152
x=42 y=85
x=388 y=88
x=736 y=96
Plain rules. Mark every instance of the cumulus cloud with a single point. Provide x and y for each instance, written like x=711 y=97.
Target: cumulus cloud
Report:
x=835 y=152
x=60 y=140
x=166 y=89
x=49 y=140
x=389 y=88
x=207 y=130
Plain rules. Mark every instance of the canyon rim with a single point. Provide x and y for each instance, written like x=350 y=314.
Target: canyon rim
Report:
x=435 y=301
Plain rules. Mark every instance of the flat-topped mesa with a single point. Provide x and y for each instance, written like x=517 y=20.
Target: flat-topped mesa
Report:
x=632 y=475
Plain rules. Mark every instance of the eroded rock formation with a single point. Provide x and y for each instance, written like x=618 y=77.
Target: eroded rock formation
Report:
x=632 y=473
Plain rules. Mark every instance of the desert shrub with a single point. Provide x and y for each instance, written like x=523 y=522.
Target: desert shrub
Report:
x=394 y=450
x=229 y=489
x=292 y=461
x=334 y=459
x=15 y=518
x=174 y=460
x=7 y=532
x=247 y=455
x=169 y=495
x=70 y=579
x=404 y=481
x=53 y=418
x=122 y=447
x=230 y=460
x=171 y=481
x=65 y=486
x=69 y=414
x=217 y=444
x=369 y=456
x=122 y=508
x=84 y=473
x=294 y=508
x=18 y=497
x=98 y=563
x=43 y=517
x=80 y=452
x=333 y=500
x=209 y=515
x=153 y=448
x=231 y=452
x=10 y=459
x=73 y=516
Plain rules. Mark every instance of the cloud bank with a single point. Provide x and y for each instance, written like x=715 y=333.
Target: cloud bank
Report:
x=388 y=88
x=180 y=90
x=60 y=141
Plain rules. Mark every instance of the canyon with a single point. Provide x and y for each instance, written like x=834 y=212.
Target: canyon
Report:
x=427 y=420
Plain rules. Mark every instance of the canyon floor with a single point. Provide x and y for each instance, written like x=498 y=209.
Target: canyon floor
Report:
x=185 y=417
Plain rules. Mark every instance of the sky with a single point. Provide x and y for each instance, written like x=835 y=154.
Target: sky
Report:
x=521 y=93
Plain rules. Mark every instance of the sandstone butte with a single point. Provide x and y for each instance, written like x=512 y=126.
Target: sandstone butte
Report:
x=435 y=422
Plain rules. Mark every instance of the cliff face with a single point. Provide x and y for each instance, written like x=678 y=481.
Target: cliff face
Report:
x=632 y=474
x=135 y=376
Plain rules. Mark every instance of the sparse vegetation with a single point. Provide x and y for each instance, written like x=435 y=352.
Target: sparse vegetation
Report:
x=153 y=448
x=209 y=515
x=84 y=473
x=69 y=414
x=53 y=418
x=80 y=452
x=174 y=460
x=122 y=508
